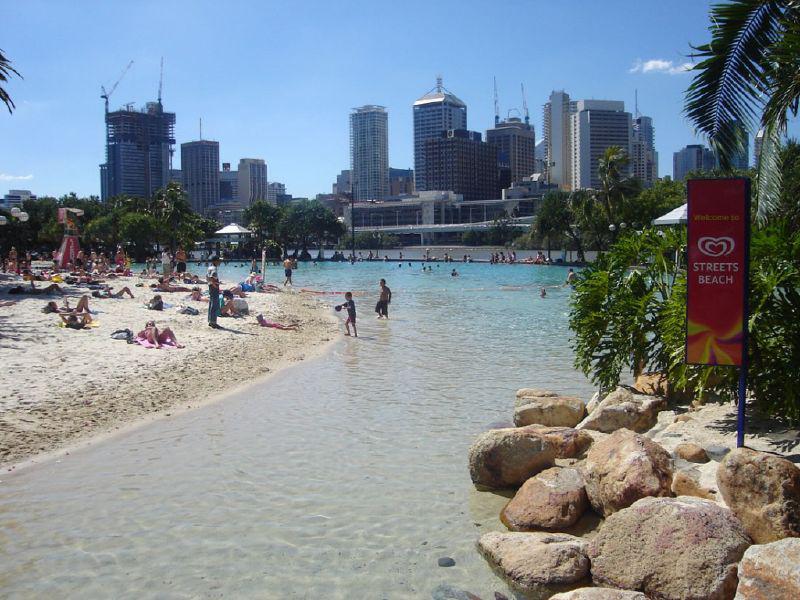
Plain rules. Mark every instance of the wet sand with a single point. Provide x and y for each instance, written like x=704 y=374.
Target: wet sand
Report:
x=62 y=386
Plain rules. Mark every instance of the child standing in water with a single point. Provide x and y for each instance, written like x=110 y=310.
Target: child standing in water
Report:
x=351 y=313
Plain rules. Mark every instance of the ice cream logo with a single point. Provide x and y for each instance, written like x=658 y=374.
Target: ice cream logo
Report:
x=715 y=246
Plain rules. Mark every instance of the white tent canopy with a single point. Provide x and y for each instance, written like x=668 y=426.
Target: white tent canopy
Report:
x=232 y=229
x=677 y=216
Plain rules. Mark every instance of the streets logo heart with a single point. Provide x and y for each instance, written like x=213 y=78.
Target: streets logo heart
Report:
x=715 y=246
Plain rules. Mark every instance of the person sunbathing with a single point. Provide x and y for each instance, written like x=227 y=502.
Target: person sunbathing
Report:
x=164 y=285
x=82 y=306
x=76 y=321
x=157 y=338
x=233 y=307
x=107 y=292
x=20 y=289
x=197 y=295
x=264 y=323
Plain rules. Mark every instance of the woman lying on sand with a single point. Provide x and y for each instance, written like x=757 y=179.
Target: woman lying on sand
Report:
x=21 y=289
x=83 y=306
x=76 y=320
x=150 y=334
x=264 y=323
x=197 y=295
x=107 y=293
x=164 y=285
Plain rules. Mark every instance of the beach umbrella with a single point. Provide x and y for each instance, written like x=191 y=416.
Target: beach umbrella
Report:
x=677 y=216
x=233 y=229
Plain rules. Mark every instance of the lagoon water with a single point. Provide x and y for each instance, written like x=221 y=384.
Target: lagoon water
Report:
x=343 y=477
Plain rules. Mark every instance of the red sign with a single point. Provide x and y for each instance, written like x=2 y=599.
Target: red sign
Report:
x=718 y=222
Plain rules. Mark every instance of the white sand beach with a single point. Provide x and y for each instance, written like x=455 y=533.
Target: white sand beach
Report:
x=61 y=386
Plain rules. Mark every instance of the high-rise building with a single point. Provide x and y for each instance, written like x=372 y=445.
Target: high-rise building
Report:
x=274 y=190
x=369 y=152
x=401 y=182
x=741 y=160
x=437 y=111
x=644 y=158
x=228 y=185
x=694 y=157
x=343 y=185
x=200 y=173
x=139 y=146
x=516 y=142
x=595 y=126
x=758 y=143
x=558 y=139
x=252 y=180
x=458 y=161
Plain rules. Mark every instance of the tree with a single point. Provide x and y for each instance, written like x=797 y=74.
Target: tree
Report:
x=748 y=76
x=616 y=187
x=653 y=202
x=553 y=218
x=6 y=72
x=177 y=222
x=263 y=219
x=140 y=231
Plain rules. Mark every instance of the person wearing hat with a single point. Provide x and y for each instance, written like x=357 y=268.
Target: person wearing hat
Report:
x=212 y=277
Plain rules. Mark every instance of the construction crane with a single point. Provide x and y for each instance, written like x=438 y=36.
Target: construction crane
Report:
x=105 y=95
x=160 y=81
x=525 y=105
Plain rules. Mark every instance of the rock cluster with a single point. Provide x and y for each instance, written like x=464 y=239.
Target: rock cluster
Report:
x=670 y=531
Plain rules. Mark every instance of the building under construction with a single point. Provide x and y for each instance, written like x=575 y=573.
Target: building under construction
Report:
x=139 y=146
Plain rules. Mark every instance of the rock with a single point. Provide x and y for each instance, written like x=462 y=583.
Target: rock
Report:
x=670 y=548
x=552 y=411
x=532 y=561
x=446 y=561
x=763 y=491
x=652 y=384
x=568 y=442
x=504 y=458
x=717 y=452
x=552 y=500
x=526 y=394
x=770 y=571
x=684 y=418
x=599 y=594
x=593 y=402
x=445 y=591
x=624 y=409
x=691 y=452
x=684 y=483
x=623 y=468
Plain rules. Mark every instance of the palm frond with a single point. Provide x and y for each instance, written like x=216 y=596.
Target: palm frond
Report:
x=730 y=83
x=768 y=173
x=6 y=71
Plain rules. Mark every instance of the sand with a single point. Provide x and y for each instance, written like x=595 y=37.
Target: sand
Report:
x=61 y=386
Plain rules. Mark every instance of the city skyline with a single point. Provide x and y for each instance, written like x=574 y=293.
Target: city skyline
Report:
x=295 y=111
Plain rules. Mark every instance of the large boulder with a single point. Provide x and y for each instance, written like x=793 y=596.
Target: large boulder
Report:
x=568 y=442
x=624 y=409
x=536 y=561
x=770 y=571
x=504 y=458
x=764 y=492
x=552 y=411
x=670 y=548
x=691 y=452
x=595 y=593
x=624 y=467
x=525 y=395
x=552 y=500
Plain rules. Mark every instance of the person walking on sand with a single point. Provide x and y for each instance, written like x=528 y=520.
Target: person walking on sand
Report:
x=382 y=307
x=288 y=264
x=351 y=313
x=212 y=277
x=166 y=263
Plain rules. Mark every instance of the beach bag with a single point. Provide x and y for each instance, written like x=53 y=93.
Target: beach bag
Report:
x=189 y=310
x=123 y=334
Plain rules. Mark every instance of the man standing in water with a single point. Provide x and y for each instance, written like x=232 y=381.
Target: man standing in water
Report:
x=287 y=270
x=212 y=277
x=382 y=307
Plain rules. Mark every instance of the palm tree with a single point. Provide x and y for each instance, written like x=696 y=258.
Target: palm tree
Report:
x=615 y=184
x=750 y=75
x=6 y=71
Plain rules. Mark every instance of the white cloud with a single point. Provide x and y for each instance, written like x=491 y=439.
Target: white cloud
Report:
x=6 y=177
x=659 y=65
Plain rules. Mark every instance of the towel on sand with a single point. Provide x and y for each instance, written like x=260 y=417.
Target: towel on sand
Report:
x=148 y=344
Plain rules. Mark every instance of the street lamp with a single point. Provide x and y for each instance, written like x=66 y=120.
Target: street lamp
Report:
x=16 y=213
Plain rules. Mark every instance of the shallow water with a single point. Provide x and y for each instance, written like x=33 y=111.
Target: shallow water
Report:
x=345 y=477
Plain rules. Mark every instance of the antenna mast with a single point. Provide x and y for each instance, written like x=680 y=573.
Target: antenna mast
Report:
x=496 y=104
x=201 y=128
x=525 y=105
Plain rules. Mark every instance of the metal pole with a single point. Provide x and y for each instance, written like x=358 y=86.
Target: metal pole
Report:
x=740 y=415
x=353 y=223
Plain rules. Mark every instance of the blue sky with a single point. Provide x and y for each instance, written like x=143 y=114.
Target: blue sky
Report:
x=276 y=80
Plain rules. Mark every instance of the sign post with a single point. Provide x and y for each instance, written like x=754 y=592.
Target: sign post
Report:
x=717 y=312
